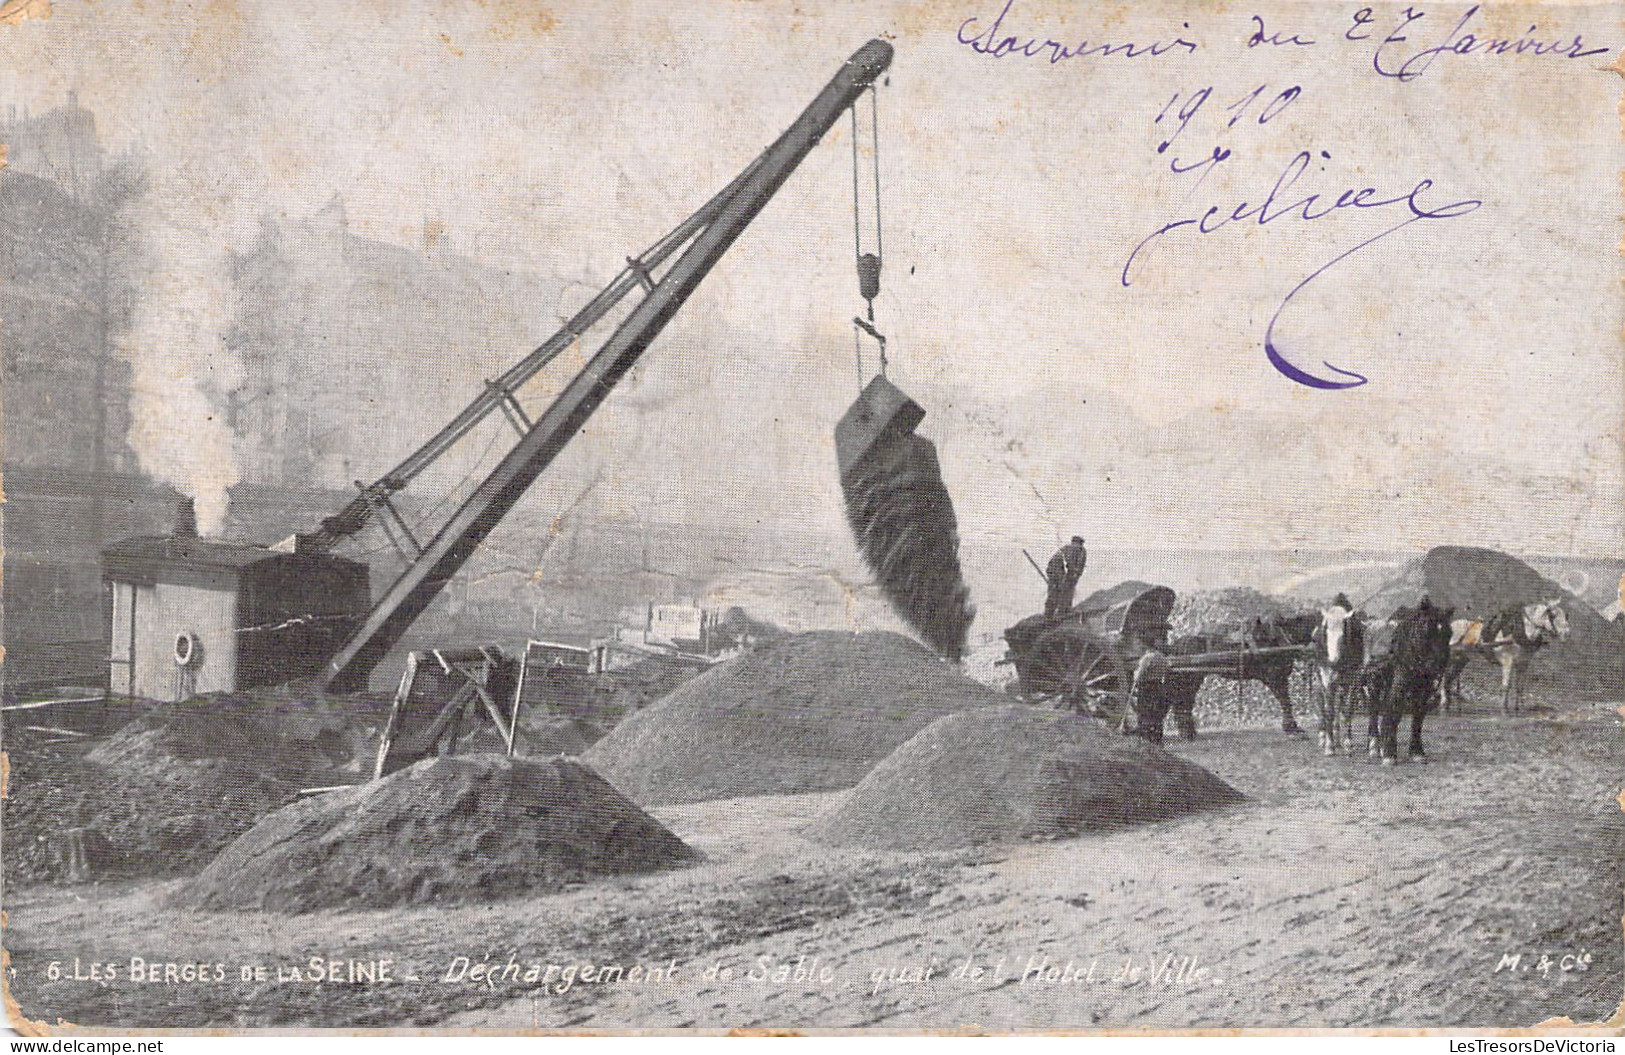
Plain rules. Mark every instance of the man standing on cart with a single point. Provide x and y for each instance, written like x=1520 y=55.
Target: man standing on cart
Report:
x=1062 y=574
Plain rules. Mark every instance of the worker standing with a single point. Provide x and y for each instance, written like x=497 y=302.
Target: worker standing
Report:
x=1149 y=696
x=1063 y=572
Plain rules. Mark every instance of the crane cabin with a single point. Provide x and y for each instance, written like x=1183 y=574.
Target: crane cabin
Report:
x=190 y=615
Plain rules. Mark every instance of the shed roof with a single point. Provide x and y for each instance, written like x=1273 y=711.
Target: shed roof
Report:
x=194 y=552
x=168 y=558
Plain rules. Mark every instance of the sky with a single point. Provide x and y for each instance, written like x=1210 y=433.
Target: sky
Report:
x=556 y=140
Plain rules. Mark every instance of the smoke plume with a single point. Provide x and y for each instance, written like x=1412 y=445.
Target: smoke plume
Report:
x=179 y=362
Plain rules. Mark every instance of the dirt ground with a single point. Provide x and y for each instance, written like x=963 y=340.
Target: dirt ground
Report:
x=1481 y=889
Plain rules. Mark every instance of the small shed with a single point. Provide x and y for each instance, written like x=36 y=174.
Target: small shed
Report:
x=190 y=615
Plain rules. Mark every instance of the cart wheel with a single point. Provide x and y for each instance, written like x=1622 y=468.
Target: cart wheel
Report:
x=1099 y=684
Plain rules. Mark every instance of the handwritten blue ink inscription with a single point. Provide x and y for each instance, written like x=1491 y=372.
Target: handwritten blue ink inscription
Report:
x=1197 y=131
x=1281 y=203
x=1389 y=60
x=990 y=43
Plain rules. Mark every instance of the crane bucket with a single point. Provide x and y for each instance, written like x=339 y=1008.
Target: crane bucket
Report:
x=901 y=515
x=881 y=413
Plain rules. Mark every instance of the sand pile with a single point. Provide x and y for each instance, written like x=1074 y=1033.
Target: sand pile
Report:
x=1015 y=772
x=636 y=686
x=811 y=712
x=988 y=664
x=152 y=825
x=1479 y=583
x=1224 y=703
x=1227 y=611
x=462 y=828
x=294 y=733
x=165 y=792
x=540 y=736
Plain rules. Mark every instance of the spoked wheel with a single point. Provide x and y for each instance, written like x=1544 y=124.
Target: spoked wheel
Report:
x=1099 y=684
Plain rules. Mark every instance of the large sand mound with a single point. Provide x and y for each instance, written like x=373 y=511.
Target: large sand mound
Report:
x=1015 y=772
x=166 y=791
x=812 y=712
x=460 y=828
x=1479 y=583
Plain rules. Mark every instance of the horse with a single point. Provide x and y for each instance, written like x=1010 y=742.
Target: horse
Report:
x=1269 y=668
x=1372 y=680
x=1340 y=659
x=1511 y=638
x=1420 y=655
x=1175 y=691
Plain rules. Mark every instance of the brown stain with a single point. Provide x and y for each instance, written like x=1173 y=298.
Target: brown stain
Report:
x=514 y=19
x=926 y=17
x=445 y=38
x=434 y=231
x=14 y=12
x=14 y=1011
x=220 y=33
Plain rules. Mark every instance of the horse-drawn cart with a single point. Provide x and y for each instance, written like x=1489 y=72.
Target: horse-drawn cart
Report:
x=1085 y=660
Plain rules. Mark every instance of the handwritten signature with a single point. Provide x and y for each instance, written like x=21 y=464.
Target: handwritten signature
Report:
x=1414 y=205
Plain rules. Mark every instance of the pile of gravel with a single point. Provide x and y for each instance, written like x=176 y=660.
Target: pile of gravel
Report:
x=451 y=829
x=164 y=793
x=126 y=824
x=1228 y=611
x=811 y=712
x=291 y=733
x=997 y=774
x=1479 y=583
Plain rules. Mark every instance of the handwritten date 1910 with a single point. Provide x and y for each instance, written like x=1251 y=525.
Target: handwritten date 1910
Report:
x=1195 y=101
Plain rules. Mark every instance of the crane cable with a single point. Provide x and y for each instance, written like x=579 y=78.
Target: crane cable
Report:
x=868 y=264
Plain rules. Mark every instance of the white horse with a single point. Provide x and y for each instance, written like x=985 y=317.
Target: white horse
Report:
x=1339 y=651
x=1512 y=638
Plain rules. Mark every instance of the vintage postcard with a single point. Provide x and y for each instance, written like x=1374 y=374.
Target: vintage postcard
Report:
x=968 y=515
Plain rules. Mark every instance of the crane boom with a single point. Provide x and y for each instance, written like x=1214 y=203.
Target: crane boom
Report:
x=491 y=500
x=361 y=509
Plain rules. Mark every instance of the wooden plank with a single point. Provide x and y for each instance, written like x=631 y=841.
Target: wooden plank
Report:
x=416 y=746
x=485 y=698
x=1233 y=656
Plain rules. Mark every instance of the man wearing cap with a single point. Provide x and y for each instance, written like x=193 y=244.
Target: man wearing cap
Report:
x=1063 y=572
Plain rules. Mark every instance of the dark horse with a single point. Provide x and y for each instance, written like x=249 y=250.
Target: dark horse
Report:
x=1176 y=690
x=1272 y=669
x=1421 y=652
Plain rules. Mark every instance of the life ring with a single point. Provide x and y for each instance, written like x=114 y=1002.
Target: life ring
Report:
x=188 y=649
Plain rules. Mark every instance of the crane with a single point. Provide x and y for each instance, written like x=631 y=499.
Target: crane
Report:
x=697 y=244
